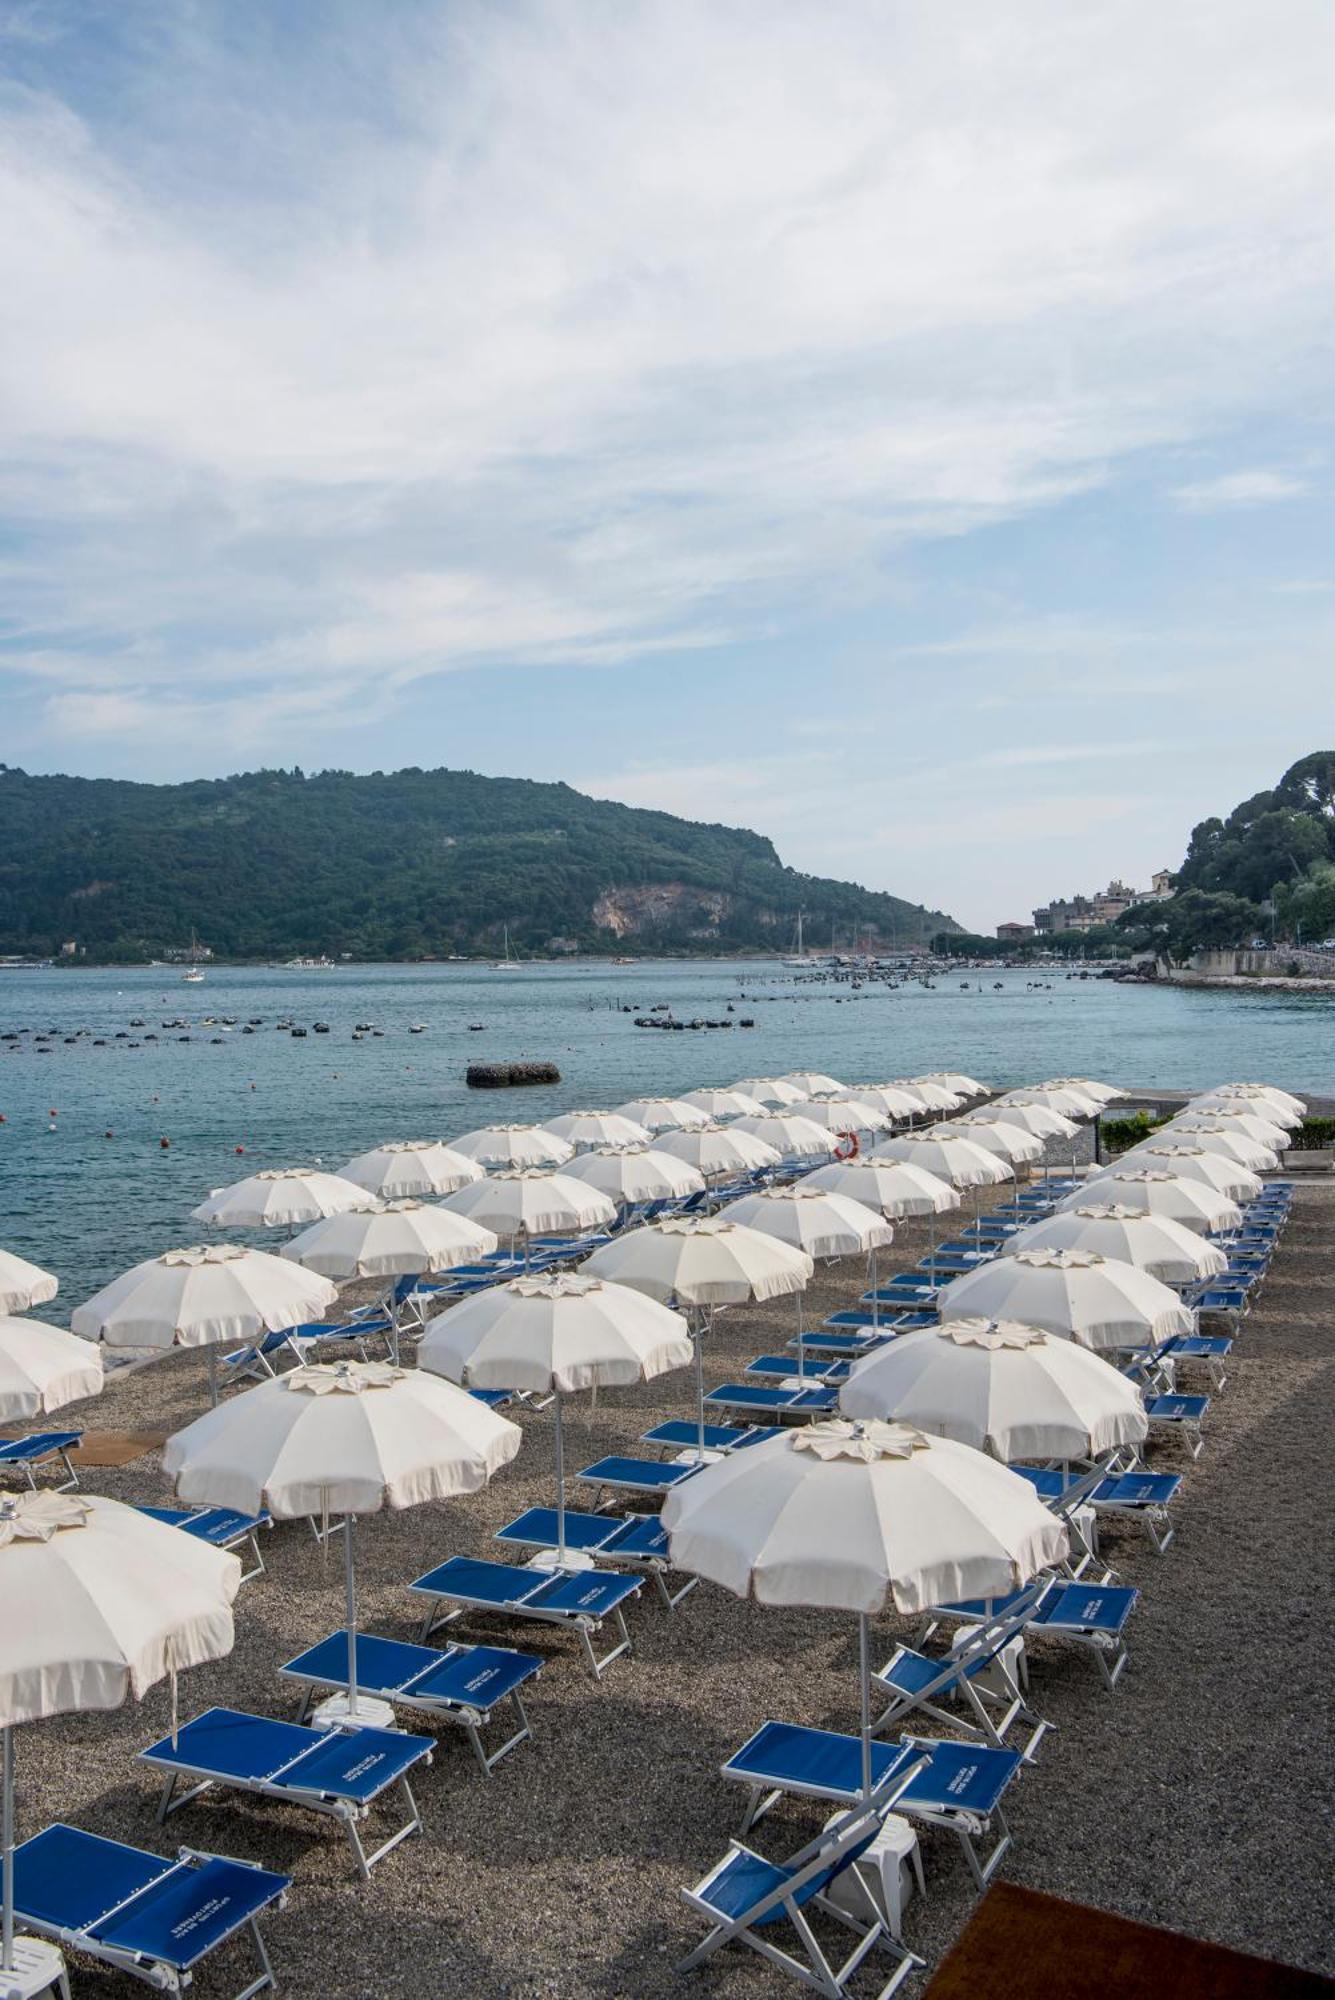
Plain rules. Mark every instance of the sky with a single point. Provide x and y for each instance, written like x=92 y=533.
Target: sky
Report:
x=902 y=429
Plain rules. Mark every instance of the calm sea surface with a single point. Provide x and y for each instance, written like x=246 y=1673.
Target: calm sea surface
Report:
x=87 y=1205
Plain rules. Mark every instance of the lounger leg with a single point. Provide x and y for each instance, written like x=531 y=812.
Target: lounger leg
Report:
x=670 y=1598
x=252 y=1542
x=71 y=1476
x=757 y=1805
x=266 y=1978
x=597 y=1666
x=366 y=1862
x=524 y=1734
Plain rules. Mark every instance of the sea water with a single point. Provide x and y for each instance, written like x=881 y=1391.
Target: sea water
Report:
x=87 y=1188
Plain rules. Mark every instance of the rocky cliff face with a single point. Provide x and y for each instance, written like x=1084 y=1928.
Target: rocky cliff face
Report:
x=631 y=909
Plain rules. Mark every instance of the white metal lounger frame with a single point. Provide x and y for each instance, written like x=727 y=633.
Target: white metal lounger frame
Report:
x=313 y=1798
x=577 y=1621
x=155 y=1972
x=816 y=1859
x=27 y=1465
x=1109 y=1652
x=470 y=1720
x=984 y=1647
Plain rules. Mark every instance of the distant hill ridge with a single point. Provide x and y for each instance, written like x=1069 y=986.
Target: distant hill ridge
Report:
x=405 y=864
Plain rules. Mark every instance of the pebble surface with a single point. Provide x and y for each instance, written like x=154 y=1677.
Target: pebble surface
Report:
x=1197 y=1796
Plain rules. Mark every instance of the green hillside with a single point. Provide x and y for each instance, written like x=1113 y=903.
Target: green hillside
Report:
x=408 y=864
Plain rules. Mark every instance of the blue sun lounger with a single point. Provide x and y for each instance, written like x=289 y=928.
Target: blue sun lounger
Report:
x=1211 y=1348
x=745 y=1895
x=1140 y=1496
x=749 y=1399
x=220 y=1527
x=461 y=1685
x=616 y=1475
x=959 y=1789
x=577 y=1601
x=685 y=1435
x=637 y=1540
x=142 y=1913
x=1179 y=1416
x=338 y=1772
x=912 y=1681
x=1093 y=1615
x=806 y=1366
x=42 y=1448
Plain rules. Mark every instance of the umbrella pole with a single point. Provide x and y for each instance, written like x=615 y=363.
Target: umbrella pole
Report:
x=350 y=1587
x=875 y=1302
x=560 y=1481
x=864 y=1675
x=697 y=1333
x=801 y=1331
x=213 y=1374
x=7 y=1839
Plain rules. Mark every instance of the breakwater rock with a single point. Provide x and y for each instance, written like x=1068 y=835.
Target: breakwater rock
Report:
x=505 y=1076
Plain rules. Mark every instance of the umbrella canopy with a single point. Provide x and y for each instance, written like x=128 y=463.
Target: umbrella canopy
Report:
x=1079 y=1293
x=953 y=1079
x=561 y=1332
x=42 y=1368
x=895 y=1187
x=930 y=1095
x=585 y=1129
x=201 y=1296
x=1153 y=1243
x=994 y=1135
x=1037 y=1119
x=846 y=1114
x=23 y=1285
x=664 y=1114
x=937 y=1148
x=1276 y=1105
x=631 y=1174
x=859 y=1517
x=280 y=1197
x=720 y=1106
x=773 y=1092
x=1013 y=1390
x=1066 y=1098
x=498 y=1146
x=411 y=1169
x=896 y=1101
x=702 y=1261
x=718 y=1152
x=814 y=1083
x=1193 y=1163
x=1219 y=1136
x=1088 y=1086
x=1258 y=1125
x=527 y=1202
x=812 y=1219
x=1194 y=1204
x=390 y=1239
x=792 y=1134
x=351 y=1438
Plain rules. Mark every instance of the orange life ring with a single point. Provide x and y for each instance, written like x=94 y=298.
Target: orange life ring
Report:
x=847 y=1148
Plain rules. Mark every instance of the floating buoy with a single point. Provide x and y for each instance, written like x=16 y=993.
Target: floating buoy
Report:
x=53 y=1113
x=108 y=1134
x=164 y=1143
x=239 y=1149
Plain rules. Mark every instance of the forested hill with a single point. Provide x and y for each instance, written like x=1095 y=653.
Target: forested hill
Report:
x=413 y=863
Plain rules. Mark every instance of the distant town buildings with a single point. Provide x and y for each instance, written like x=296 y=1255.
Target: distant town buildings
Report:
x=1014 y=933
x=1087 y=913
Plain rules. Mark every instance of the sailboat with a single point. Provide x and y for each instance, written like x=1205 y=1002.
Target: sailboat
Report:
x=799 y=955
x=193 y=976
x=503 y=964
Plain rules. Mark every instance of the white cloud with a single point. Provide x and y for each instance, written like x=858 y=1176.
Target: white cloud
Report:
x=1258 y=488
x=559 y=335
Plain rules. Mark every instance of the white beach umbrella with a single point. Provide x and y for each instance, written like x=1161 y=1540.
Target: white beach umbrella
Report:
x=279 y=1197
x=814 y=1083
x=811 y=1219
x=1037 y=1119
x=1192 y=1163
x=942 y=1152
x=1218 y=1136
x=412 y=1169
x=719 y=1152
x=775 y=1093
x=860 y=1517
x=201 y=1297
x=390 y=1239
x=792 y=1134
x=842 y=1115
x=702 y=1262
x=1257 y=1125
x=1080 y=1293
x=526 y=1202
x=585 y=1129
x=1088 y=1086
x=955 y=1080
x=629 y=1175
x=1276 y=1105
x=556 y=1334
x=1154 y=1243
x=664 y=1114
x=1194 y=1204
x=897 y=1102
x=100 y=1601
x=499 y=1146
x=348 y=1439
x=931 y=1095
x=1008 y=1142
x=895 y=1187
x=42 y=1368
x=1003 y=1387
x=23 y=1285
x=1066 y=1098
x=722 y=1106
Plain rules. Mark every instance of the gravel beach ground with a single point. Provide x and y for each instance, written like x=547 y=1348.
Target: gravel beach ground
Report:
x=1197 y=1796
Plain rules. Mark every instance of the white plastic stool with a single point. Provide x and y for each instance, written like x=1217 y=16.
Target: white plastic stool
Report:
x=38 y=1967
x=334 y=1713
x=1009 y=1662
x=880 y=1882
